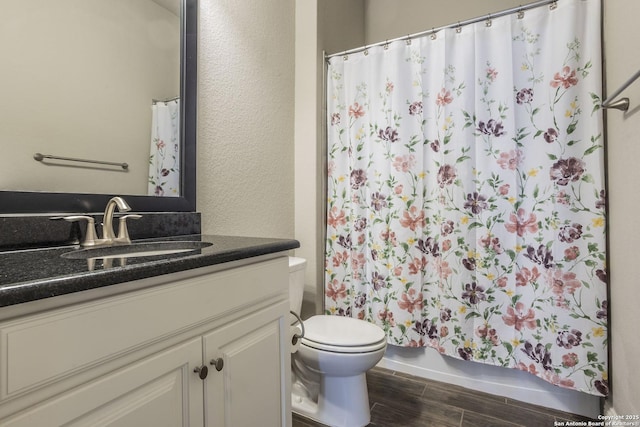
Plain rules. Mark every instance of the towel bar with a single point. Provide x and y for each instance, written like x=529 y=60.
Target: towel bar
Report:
x=40 y=157
x=623 y=103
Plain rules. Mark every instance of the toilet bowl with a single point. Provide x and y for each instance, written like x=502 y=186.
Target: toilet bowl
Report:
x=329 y=369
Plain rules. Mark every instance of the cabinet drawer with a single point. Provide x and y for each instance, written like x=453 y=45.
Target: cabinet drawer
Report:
x=40 y=349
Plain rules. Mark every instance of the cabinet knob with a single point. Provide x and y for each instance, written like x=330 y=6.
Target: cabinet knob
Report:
x=202 y=371
x=218 y=363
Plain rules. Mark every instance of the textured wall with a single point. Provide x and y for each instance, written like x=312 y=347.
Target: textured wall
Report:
x=245 y=117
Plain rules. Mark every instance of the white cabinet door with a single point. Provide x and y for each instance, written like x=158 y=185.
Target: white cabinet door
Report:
x=249 y=389
x=160 y=390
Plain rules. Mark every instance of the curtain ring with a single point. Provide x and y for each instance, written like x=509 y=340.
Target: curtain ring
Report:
x=488 y=21
x=408 y=40
x=520 y=13
x=458 y=28
x=433 y=34
x=366 y=52
x=553 y=5
x=345 y=57
x=386 y=45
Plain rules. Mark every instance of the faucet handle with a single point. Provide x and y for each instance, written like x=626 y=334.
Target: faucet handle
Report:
x=90 y=234
x=123 y=232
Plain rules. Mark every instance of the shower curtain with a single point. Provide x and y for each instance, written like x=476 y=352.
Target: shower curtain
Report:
x=466 y=202
x=164 y=157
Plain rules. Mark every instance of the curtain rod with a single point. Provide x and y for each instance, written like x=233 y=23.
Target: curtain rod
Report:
x=519 y=9
x=175 y=98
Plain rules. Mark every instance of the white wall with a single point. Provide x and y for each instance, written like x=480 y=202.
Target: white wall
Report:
x=245 y=117
x=78 y=80
x=387 y=19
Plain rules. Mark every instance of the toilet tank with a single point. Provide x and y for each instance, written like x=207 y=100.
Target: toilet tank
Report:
x=296 y=283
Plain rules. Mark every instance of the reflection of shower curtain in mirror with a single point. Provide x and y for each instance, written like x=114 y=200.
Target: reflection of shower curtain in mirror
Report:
x=164 y=157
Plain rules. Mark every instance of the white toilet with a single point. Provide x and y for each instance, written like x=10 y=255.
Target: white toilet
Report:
x=328 y=370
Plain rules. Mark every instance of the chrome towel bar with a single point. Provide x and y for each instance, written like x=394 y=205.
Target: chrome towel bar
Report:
x=40 y=157
x=623 y=103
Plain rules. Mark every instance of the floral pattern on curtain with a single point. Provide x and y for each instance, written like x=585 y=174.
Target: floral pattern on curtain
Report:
x=466 y=205
x=164 y=157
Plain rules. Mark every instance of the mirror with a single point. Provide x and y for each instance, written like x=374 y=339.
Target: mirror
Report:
x=37 y=191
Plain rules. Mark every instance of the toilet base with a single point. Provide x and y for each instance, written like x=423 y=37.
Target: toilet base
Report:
x=342 y=402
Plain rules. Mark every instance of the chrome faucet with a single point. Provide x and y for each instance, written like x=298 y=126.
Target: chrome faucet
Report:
x=108 y=235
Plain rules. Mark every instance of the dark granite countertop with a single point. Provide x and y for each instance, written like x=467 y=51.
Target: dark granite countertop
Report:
x=30 y=275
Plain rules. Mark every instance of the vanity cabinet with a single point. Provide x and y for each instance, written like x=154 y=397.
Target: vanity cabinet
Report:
x=156 y=391
x=201 y=348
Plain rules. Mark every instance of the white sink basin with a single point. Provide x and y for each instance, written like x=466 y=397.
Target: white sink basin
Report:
x=136 y=250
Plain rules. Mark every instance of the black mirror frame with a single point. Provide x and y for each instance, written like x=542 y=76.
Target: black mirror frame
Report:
x=26 y=202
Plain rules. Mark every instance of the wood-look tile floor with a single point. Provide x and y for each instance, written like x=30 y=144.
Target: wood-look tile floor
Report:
x=400 y=400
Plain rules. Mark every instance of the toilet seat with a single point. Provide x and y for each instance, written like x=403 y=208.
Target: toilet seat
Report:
x=339 y=334
x=346 y=350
